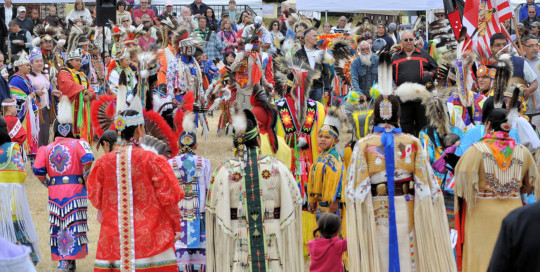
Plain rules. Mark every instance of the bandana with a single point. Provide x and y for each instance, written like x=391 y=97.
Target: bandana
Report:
x=501 y=146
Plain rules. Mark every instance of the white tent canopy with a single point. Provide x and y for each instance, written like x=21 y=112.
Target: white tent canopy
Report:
x=367 y=5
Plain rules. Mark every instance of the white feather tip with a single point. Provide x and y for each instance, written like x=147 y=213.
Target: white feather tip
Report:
x=65 y=115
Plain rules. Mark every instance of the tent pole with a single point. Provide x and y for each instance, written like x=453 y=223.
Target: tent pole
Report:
x=427 y=31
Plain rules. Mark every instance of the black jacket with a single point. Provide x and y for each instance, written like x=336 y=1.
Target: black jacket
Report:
x=3 y=13
x=421 y=68
x=517 y=246
x=325 y=80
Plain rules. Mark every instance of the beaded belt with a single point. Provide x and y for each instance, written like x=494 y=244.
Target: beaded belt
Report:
x=69 y=179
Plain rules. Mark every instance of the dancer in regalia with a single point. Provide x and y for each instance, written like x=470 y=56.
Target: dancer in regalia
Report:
x=138 y=195
x=75 y=85
x=396 y=219
x=193 y=173
x=253 y=213
x=66 y=162
x=26 y=97
x=15 y=216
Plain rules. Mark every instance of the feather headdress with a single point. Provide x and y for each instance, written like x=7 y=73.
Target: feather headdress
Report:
x=76 y=34
x=436 y=110
x=332 y=122
x=343 y=55
x=504 y=71
x=297 y=77
x=44 y=31
x=182 y=38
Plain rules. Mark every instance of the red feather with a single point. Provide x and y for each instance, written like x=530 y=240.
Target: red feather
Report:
x=116 y=29
x=178 y=119
x=165 y=129
x=94 y=109
x=187 y=101
x=110 y=67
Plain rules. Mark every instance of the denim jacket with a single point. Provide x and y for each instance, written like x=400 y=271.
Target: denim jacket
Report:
x=363 y=77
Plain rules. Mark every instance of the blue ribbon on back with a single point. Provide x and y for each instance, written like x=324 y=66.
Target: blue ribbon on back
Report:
x=387 y=140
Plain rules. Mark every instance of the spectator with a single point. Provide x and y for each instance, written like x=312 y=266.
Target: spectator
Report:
x=244 y=16
x=393 y=33
x=299 y=38
x=79 y=14
x=275 y=34
x=341 y=27
x=530 y=49
x=225 y=16
x=52 y=19
x=147 y=21
x=8 y=12
x=213 y=47
x=187 y=20
x=232 y=10
x=523 y=11
x=93 y=15
x=35 y=18
x=535 y=29
x=533 y=17
x=126 y=23
x=228 y=36
x=100 y=30
x=498 y=44
x=382 y=40
x=168 y=11
x=146 y=40
x=412 y=65
x=149 y=6
x=308 y=53
x=327 y=27
x=24 y=23
x=212 y=21
x=18 y=40
x=121 y=11
x=364 y=70
x=138 y=13
x=198 y=8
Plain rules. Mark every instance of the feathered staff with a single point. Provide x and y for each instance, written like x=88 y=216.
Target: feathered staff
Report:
x=146 y=60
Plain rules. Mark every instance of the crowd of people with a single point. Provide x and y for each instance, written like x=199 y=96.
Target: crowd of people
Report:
x=443 y=142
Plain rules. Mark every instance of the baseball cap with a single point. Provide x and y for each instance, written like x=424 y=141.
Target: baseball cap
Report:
x=21 y=9
x=535 y=23
x=168 y=3
x=224 y=14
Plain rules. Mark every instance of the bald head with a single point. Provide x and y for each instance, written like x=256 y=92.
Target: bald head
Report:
x=364 y=48
x=407 y=41
x=342 y=21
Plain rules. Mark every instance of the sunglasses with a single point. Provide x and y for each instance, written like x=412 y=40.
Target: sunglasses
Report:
x=408 y=40
x=299 y=38
x=125 y=21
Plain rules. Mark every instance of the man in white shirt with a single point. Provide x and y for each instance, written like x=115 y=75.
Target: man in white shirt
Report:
x=186 y=20
x=530 y=48
x=341 y=27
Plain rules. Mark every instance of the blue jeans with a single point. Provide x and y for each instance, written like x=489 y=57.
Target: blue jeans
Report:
x=316 y=94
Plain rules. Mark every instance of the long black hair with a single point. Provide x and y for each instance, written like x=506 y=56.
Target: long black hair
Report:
x=328 y=225
x=4 y=133
x=396 y=111
x=497 y=117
